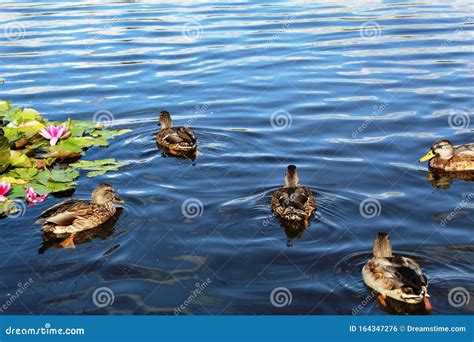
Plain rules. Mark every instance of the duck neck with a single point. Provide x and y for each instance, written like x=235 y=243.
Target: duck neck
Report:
x=291 y=180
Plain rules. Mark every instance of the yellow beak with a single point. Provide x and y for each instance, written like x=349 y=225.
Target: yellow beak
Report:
x=427 y=156
x=117 y=200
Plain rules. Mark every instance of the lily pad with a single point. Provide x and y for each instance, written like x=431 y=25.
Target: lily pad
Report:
x=109 y=134
x=18 y=159
x=4 y=153
x=7 y=207
x=98 y=167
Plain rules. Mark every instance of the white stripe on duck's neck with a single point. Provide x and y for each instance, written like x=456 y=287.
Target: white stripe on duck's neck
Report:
x=291 y=180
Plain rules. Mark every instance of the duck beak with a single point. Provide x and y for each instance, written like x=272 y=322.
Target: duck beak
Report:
x=118 y=200
x=427 y=156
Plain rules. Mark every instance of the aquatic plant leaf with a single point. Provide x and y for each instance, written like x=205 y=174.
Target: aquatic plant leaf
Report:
x=79 y=128
x=18 y=159
x=85 y=142
x=98 y=167
x=70 y=145
x=4 y=153
x=39 y=188
x=61 y=152
x=59 y=187
x=63 y=176
x=12 y=180
x=17 y=190
x=7 y=207
x=27 y=114
x=4 y=106
x=109 y=134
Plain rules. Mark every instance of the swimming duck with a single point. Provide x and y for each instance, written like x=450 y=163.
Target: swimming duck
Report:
x=397 y=277
x=176 y=140
x=73 y=216
x=443 y=155
x=293 y=202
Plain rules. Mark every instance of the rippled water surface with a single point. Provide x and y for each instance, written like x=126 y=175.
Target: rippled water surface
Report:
x=353 y=94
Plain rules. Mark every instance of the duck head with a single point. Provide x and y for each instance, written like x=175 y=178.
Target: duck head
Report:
x=382 y=246
x=165 y=119
x=104 y=193
x=291 y=177
x=443 y=149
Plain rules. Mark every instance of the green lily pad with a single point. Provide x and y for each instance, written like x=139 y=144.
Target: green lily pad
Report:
x=109 y=134
x=7 y=207
x=18 y=159
x=23 y=173
x=4 y=153
x=98 y=167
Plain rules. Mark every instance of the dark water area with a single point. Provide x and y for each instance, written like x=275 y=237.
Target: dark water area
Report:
x=352 y=93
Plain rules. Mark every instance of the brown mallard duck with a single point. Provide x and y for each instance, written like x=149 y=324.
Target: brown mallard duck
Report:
x=177 y=140
x=397 y=277
x=444 y=156
x=73 y=216
x=293 y=202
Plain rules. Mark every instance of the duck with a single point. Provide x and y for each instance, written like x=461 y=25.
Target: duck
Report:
x=444 y=156
x=73 y=216
x=293 y=202
x=177 y=140
x=397 y=277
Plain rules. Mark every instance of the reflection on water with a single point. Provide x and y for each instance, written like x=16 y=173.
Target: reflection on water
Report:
x=443 y=180
x=353 y=93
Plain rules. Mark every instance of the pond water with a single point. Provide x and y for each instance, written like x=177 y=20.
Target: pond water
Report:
x=352 y=93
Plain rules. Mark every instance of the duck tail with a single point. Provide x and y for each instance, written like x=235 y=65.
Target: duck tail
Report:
x=294 y=214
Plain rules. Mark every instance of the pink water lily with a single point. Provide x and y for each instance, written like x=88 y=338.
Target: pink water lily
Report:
x=4 y=189
x=54 y=133
x=33 y=198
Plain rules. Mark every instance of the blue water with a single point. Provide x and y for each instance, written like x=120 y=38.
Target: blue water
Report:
x=352 y=93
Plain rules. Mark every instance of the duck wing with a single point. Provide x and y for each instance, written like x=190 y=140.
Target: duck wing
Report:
x=464 y=150
x=65 y=213
x=403 y=273
x=178 y=135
